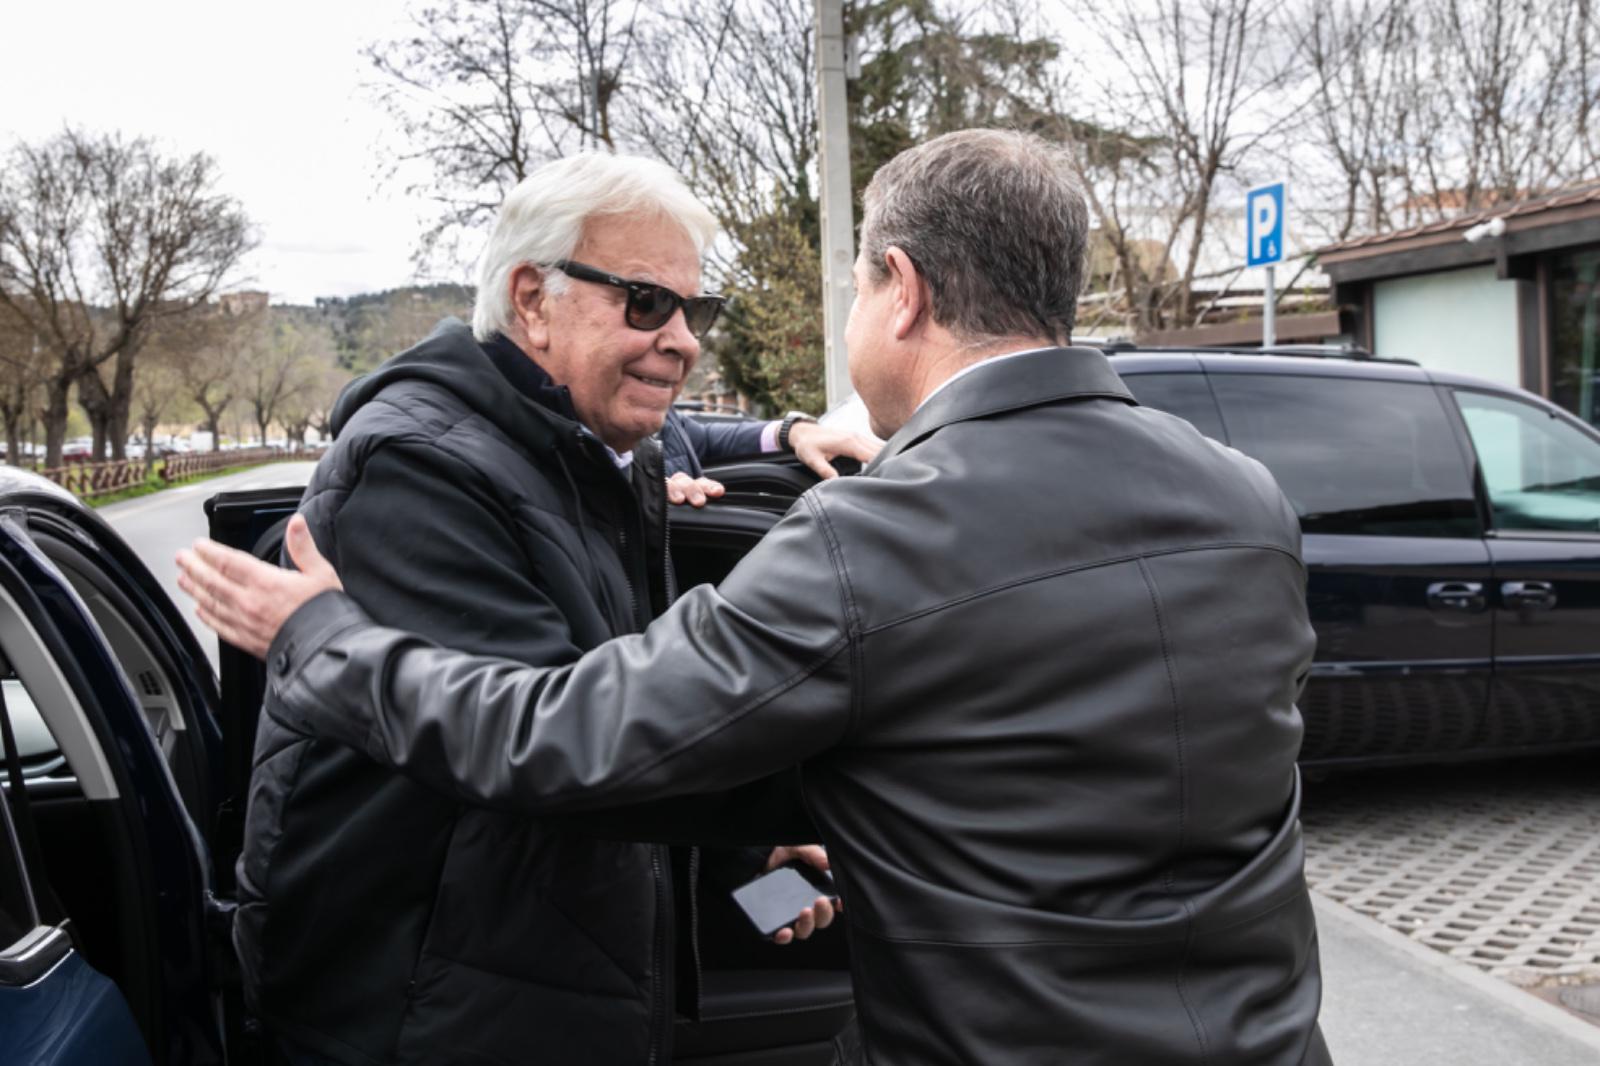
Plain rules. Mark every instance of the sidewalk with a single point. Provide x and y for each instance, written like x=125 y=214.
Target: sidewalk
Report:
x=1388 y=1001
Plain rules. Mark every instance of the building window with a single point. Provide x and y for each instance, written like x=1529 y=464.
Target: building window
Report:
x=1575 y=332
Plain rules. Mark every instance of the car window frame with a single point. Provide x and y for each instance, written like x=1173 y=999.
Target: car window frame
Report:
x=1480 y=483
x=1195 y=368
x=1466 y=459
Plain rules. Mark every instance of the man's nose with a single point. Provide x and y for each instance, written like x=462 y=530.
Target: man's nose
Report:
x=676 y=337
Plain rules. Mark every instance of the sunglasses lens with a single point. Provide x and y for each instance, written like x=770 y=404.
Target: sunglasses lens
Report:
x=649 y=306
x=699 y=312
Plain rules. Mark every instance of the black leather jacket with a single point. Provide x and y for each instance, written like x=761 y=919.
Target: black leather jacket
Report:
x=1039 y=666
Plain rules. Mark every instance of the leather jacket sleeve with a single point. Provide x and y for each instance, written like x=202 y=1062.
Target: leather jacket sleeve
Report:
x=729 y=685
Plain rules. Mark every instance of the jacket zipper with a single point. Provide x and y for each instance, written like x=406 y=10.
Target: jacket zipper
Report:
x=659 y=1021
x=627 y=576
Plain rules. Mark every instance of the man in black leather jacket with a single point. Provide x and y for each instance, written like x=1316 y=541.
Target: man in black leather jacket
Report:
x=1037 y=665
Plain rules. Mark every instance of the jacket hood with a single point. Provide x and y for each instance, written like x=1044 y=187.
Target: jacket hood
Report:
x=452 y=358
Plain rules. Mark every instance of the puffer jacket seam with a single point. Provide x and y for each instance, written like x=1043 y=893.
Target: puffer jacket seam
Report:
x=523 y=979
x=265 y=893
x=422 y=941
x=847 y=602
x=1178 y=744
x=294 y=1031
x=1007 y=586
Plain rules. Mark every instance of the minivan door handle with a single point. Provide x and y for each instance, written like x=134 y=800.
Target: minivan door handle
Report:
x=1462 y=596
x=1528 y=595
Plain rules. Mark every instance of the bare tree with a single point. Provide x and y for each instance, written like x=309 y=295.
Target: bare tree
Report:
x=482 y=91
x=1424 y=109
x=286 y=359
x=1192 y=88
x=99 y=237
x=22 y=363
x=206 y=351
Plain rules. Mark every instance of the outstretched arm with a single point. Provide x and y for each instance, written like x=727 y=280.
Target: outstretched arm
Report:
x=731 y=684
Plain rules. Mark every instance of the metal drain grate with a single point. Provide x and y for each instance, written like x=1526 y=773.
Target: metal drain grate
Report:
x=1497 y=865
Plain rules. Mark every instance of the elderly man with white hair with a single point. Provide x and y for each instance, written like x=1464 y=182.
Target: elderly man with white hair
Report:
x=499 y=490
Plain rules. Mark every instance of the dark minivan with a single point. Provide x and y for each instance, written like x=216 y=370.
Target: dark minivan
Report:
x=1452 y=535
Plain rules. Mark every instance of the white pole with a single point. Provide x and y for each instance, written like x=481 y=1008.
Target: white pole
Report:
x=1269 y=314
x=833 y=165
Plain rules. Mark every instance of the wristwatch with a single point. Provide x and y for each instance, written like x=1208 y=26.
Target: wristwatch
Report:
x=788 y=424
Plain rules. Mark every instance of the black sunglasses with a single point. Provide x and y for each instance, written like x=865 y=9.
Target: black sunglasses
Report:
x=650 y=306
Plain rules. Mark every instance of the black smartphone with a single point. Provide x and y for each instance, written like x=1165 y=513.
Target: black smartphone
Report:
x=776 y=898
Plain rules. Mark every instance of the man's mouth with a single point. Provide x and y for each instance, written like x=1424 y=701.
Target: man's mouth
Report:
x=660 y=383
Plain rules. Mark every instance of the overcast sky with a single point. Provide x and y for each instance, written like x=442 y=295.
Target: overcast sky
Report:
x=273 y=91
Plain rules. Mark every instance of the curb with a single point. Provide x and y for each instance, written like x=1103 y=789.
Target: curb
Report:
x=1538 y=1011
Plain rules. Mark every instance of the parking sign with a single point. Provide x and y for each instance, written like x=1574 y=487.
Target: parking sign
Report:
x=1263 y=212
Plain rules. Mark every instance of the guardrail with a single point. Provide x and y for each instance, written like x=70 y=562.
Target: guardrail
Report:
x=88 y=480
x=186 y=465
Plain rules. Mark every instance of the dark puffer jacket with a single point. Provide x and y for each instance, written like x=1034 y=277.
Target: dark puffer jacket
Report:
x=1045 y=723
x=382 y=921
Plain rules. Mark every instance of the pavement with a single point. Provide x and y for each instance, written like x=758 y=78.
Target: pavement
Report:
x=1388 y=1000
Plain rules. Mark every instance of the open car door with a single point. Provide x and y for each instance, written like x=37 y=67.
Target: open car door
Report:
x=113 y=708
x=761 y=1004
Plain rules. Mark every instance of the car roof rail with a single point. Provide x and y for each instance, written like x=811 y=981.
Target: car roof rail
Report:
x=1312 y=351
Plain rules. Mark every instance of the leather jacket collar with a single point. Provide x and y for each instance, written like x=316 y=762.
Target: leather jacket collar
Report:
x=1046 y=376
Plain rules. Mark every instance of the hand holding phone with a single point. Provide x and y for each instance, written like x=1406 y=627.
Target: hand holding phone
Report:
x=775 y=901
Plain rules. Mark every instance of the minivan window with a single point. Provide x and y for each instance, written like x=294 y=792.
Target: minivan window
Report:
x=1541 y=472
x=1185 y=395
x=1354 y=456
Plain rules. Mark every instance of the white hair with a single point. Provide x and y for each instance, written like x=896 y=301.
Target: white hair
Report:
x=541 y=221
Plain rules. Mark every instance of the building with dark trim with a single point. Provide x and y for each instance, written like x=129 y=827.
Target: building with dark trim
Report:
x=1511 y=293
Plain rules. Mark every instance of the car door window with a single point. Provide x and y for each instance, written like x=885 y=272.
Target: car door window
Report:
x=1540 y=471
x=1185 y=395
x=1354 y=456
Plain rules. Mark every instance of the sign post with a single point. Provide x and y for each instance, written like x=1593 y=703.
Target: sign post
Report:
x=833 y=167
x=1264 y=211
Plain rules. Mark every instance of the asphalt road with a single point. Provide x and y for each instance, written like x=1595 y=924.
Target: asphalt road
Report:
x=157 y=526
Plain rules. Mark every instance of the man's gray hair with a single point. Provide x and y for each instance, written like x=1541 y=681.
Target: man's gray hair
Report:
x=997 y=223
x=541 y=221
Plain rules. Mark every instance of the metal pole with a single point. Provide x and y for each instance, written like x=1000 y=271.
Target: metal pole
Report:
x=833 y=166
x=1269 y=314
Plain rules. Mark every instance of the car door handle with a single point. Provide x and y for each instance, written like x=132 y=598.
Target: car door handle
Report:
x=1531 y=595
x=1462 y=596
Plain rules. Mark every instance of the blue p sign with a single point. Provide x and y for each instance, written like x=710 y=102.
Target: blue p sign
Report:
x=1263 y=210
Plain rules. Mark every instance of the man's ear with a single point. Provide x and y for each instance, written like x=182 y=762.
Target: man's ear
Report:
x=910 y=292
x=528 y=295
